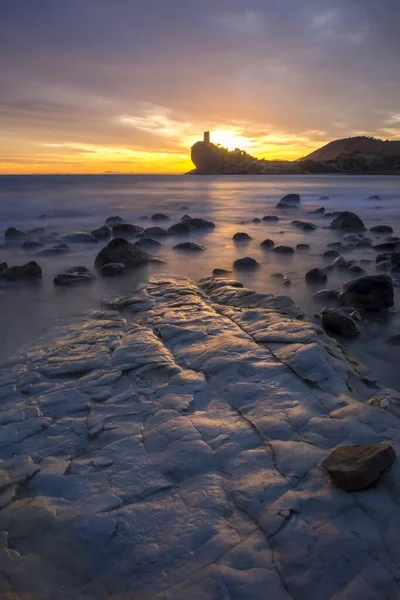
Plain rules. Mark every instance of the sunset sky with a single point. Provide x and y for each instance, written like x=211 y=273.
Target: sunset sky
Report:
x=129 y=85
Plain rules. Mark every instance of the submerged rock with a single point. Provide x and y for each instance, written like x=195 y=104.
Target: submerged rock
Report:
x=126 y=230
x=246 y=263
x=120 y=250
x=79 y=237
x=289 y=201
x=30 y=270
x=31 y=245
x=374 y=197
x=354 y=468
x=270 y=219
x=74 y=276
x=267 y=244
x=190 y=246
x=381 y=229
x=102 y=233
x=112 y=269
x=55 y=250
x=304 y=226
x=372 y=292
x=338 y=322
x=283 y=250
x=316 y=276
x=347 y=220
x=241 y=236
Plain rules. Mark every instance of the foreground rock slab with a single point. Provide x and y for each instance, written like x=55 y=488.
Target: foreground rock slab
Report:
x=354 y=468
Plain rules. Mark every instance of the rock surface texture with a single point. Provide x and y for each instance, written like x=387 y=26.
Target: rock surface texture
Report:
x=169 y=446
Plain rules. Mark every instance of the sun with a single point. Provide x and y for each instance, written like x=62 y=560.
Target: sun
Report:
x=230 y=139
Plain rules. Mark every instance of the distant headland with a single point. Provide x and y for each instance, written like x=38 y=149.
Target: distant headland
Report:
x=359 y=155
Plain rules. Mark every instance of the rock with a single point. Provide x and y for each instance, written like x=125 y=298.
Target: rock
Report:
x=247 y=263
x=3 y=267
x=220 y=272
x=386 y=246
x=277 y=276
x=120 y=250
x=14 y=235
x=159 y=217
x=30 y=245
x=149 y=243
x=102 y=233
x=317 y=211
x=347 y=220
x=304 y=226
x=289 y=201
x=112 y=269
x=382 y=257
x=356 y=270
x=114 y=220
x=188 y=224
x=30 y=270
x=384 y=266
x=334 y=245
x=126 y=230
x=270 y=219
x=155 y=232
x=189 y=246
x=79 y=237
x=372 y=292
x=303 y=247
x=356 y=467
x=340 y=263
x=55 y=250
x=338 y=322
x=74 y=276
x=256 y=220
x=241 y=236
x=316 y=276
x=353 y=238
x=283 y=250
x=331 y=254
x=334 y=213
x=328 y=295
x=267 y=244
x=381 y=229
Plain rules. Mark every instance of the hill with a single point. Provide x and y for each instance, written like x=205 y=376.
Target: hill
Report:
x=362 y=146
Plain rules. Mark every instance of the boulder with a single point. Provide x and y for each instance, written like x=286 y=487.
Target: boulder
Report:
x=372 y=292
x=155 y=232
x=241 y=236
x=338 y=322
x=381 y=229
x=267 y=244
x=328 y=296
x=331 y=254
x=159 y=217
x=55 y=250
x=126 y=230
x=30 y=245
x=74 y=276
x=246 y=263
x=356 y=467
x=220 y=272
x=188 y=224
x=14 y=235
x=270 y=219
x=256 y=220
x=386 y=246
x=30 y=270
x=304 y=226
x=114 y=220
x=316 y=276
x=149 y=243
x=347 y=220
x=120 y=250
x=112 y=269
x=289 y=201
x=283 y=250
x=102 y=233
x=79 y=237
x=189 y=247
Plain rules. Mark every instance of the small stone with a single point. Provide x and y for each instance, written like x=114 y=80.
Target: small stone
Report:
x=120 y=250
x=267 y=244
x=241 y=236
x=286 y=281
x=289 y=201
x=246 y=263
x=55 y=250
x=356 y=270
x=374 y=197
x=316 y=276
x=317 y=211
x=3 y=267
x=304 y=226
x=356 y=467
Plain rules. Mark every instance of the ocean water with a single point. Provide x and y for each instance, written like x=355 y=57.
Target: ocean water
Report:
x=66 y=204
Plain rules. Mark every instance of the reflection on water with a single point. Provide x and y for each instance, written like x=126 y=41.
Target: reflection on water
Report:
x=81 y=203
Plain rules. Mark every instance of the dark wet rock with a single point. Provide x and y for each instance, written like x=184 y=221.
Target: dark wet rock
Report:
x=381 y=229
x=356 y=270
x=241 y=236
x=374 y=197
x=317 y=211
x=113 y=269
x=149 y=243
x=333 y=213
x=270 y=219
x=74 y=276
x=30 y=245
x=79 y=237
x=355 y=468
x=246 y=263
x=126 y=230
x=384 y=265
x=334 y=245
x=3 y=267
x=267 y=244
x=382 y=257
x=30 y=270
x=331 y=254
x=159 y=217
x=372 y=292
x=256 y=220
x=348 y=220
x=289 y=201
x=120 y=250
x=283 y=250
x=189 y=247
x=220 y=272
x=279 y=276
x=303 y=247
x=316 y=276
x=14 y=235
x=339 y=322
x=304 y=226
x=102 y=233
x=386 y=246
x=327 y=296
x=155 y=232
x=189 y=224
x=114 y=220
x=55 y=250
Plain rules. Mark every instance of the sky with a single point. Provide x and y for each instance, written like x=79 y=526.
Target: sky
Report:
x=89 y=86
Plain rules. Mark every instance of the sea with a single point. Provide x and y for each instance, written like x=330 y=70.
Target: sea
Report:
x=67 y=204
